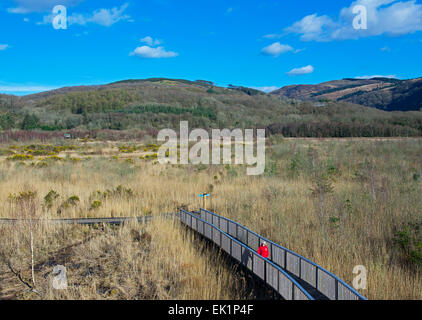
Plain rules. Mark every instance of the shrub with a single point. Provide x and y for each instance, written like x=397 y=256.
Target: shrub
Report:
x=72 y=201
x=21 y=157
x=332 y=169
x=409 y=240
x=95 y=205
x=54 y=158
x=41 y=164
x=49 y=198
x=127 y=149
x=23 y=196
x=41 y=153
x=6 y=152
x=120 y=191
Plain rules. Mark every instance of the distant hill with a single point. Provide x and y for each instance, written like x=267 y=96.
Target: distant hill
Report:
x=382 y=93
x=148 y=105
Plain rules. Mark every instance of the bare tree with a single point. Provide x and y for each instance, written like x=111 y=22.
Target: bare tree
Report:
x=27 y=205
x=322 y=186
x=373 y=183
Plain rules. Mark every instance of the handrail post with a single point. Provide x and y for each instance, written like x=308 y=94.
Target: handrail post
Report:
x=265 y=272
x=271 y=252
x=300 y=268
x=336 y=289
x=252 y=262
x=316 y=278
x=293 y=291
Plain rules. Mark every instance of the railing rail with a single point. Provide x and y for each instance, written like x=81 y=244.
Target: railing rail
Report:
x=90 y=221
x=272 y=274
x=324 y=281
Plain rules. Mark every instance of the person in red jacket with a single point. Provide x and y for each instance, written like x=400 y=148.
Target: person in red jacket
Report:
x=263 y=250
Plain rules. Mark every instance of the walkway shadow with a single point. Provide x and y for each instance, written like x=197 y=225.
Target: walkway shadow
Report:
x=246 y=257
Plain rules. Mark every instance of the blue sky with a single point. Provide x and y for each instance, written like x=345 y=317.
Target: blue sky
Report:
x=256 y=43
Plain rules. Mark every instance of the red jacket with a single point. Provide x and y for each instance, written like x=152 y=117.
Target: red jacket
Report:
x=263 y=251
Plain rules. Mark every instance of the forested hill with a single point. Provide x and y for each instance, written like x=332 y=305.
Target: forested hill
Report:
x=157 y=103
x=382 y=93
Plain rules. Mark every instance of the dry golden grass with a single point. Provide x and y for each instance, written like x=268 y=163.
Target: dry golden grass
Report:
x=376 y=191
x=157 y=261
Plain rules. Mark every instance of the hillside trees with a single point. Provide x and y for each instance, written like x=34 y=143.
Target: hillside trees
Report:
x=30 y=122
x=7 y=121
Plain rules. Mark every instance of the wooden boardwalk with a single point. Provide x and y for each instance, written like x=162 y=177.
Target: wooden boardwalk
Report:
x=292 y=276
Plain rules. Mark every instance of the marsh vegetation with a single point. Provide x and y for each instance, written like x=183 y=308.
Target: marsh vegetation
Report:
x=341 y=203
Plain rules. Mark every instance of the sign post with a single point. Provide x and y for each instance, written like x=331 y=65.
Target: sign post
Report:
x=204 y=198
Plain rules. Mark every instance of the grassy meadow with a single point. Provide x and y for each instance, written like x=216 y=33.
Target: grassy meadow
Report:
x=341 y=203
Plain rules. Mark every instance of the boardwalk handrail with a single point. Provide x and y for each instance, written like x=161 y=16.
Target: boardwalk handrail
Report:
x=324 y=281
x=272 y=274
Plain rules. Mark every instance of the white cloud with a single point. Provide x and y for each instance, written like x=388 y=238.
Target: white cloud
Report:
x=392 y=76
x=18 y=10
x=47 y=19
x=276 y=49
x=266 y=89
x=24 y=88
x=3 y=47
x=274 y=36
x=28 y=6
x=149 y=52
x=103 y=17
x=150 y=41
x=107 y=17
x=301 y=71
x=391 y=17
x=311 y=27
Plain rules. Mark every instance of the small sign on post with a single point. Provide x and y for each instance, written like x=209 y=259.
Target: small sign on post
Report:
x=204 y=198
